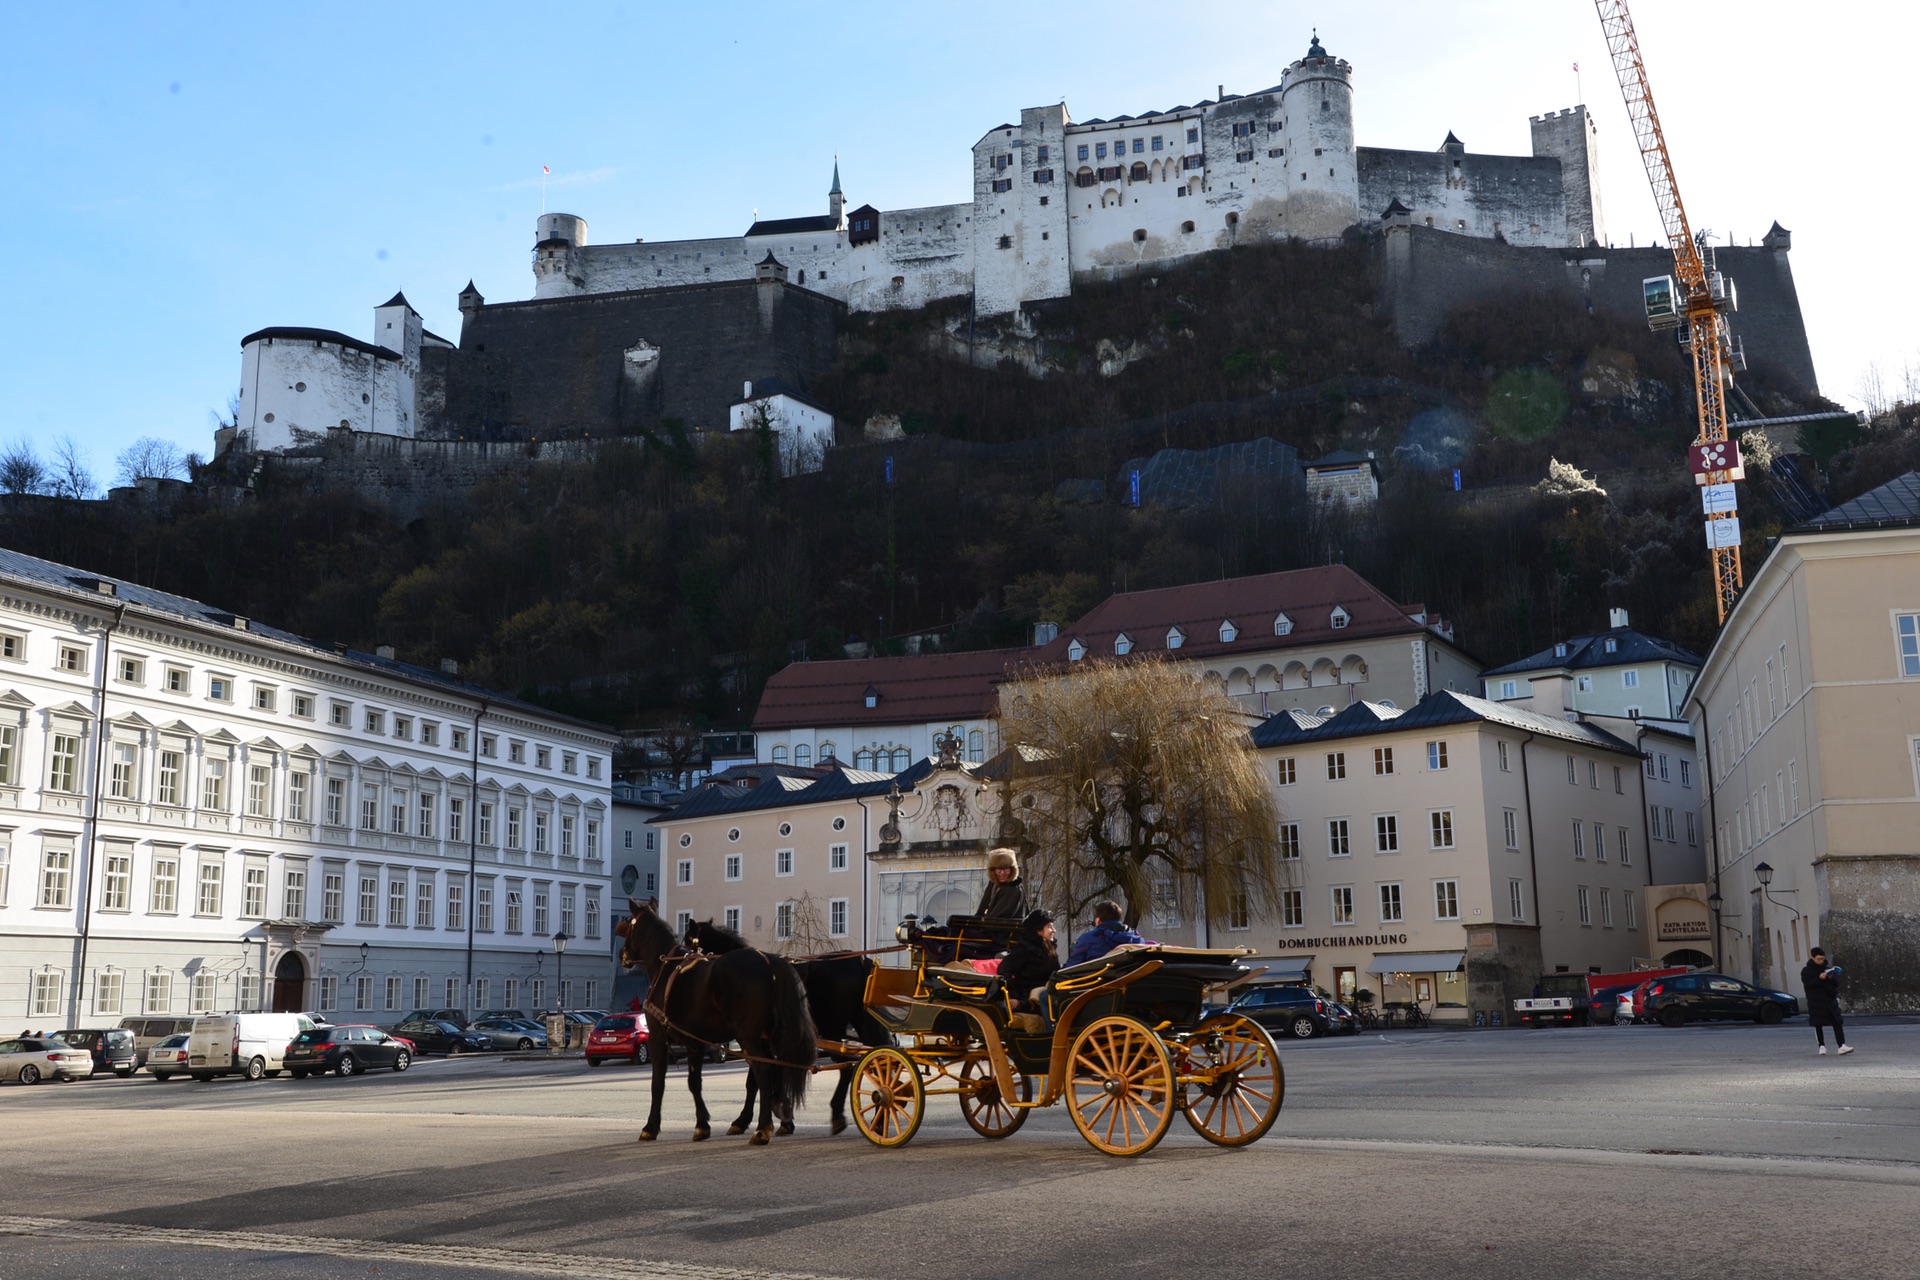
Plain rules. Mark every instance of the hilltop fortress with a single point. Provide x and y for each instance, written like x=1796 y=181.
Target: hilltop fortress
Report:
x=1055 y=201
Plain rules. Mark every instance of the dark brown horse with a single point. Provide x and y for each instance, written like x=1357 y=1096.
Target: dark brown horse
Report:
x=837 y=998
x=700 y=1000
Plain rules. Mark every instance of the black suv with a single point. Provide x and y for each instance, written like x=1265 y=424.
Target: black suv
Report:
x=1297 y=1011
x=112 y=1048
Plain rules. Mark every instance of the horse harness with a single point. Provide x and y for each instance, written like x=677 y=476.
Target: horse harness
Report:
x=677 y=962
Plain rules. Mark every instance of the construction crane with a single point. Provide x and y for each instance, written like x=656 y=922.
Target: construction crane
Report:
x=1700 y=300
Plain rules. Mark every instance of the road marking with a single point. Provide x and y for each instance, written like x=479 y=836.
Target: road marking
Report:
x=465 y=1256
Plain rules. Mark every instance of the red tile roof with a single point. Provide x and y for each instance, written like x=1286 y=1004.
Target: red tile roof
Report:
x=1307 y=596
x=924 y=689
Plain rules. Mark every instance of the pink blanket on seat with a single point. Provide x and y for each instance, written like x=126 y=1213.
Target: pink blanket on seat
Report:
x=986 y=966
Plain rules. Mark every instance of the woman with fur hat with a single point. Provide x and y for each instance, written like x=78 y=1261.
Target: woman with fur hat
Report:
x=1006 y=896
x=1030 y=961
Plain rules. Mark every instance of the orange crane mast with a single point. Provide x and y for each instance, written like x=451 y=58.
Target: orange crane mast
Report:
x=1705 y=298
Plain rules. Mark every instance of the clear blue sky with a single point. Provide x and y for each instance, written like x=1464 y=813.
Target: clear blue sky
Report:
x=183 y=173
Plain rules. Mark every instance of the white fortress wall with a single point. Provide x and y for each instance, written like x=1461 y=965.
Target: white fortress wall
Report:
x=922 y=255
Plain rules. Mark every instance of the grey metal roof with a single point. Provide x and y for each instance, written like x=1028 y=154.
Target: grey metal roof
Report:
x=67 y=580
x=1893 y=504
x=1434 y=711
x=790 y=226
x=1588 y=651
x=839 y=785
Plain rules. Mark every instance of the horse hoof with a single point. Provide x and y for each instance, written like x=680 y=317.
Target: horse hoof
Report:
x=839 y=1124
x=735 y=1130
x=760 y=1138
x=647 y=1137
x=702 y=1134
x=786 y=1129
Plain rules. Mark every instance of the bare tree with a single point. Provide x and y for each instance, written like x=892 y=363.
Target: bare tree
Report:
x=683 y=745
x=69 y=475
x=1873 y=390
x=150 y=458
x=810 y=935
x=1137 y=778
x=21 y=470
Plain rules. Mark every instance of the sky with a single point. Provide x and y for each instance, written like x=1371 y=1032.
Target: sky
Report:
x=181 y=173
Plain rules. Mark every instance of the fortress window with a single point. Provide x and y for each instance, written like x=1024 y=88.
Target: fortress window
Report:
x=1083 y=152
x=1138 y=173
x=1084 y=178
x=1179 y=191
x=1273 y=126
x=269 y=418
x=299 y=386
x=1100 y=150
x=1330 y=174
x=1006 y=242
x=1316 y=152
x=1274 y=153
x=1193 y=135
x=1110 y=173
x=1157 y=142
x=1243 y=129
x=1043 y=176
x=1003 y=184
x=1040 y=156
x=1195 y=162
x=1325 y=105
x=1139 y=235
x=1001 y=161
x=363 y=397
x=1233 y=219
x=1243 y=156
x=1185 y=226
x=1139 y=145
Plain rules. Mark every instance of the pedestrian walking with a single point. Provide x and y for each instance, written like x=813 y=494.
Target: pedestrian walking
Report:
x=1822 y=983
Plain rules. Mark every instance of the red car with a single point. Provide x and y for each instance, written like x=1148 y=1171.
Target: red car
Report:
x=619 y=1035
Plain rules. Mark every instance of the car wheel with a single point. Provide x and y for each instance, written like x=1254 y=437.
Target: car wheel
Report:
x=1673 y=1016
x=1770 y=1014
x=123 y=1072
x=641 y=1053
x=163 y=1076
x=348 y=1065
x=525 y=1045
x=256 y=1068
x=594 y=1062
x=202 y=1077
x=455 y=1049
x=402 y=1062
x=1302 y=1027
x=298 y=1073
x=29 y=1074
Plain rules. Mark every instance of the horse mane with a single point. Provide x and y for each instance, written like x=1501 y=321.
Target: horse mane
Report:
x=646 y=925
x=716 y=937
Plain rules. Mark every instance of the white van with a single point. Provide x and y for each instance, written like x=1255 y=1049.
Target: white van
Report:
x=243 y=1044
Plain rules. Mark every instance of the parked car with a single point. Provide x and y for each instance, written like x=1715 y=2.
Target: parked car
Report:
x=618 y=1035
x=1295 y=1010
x=1708 y=997
x=32 y=1059
x=1604 y=1005
x=458 y=1017
x=147 y=1032
x=518 y=1015
x=1342 y=1019
x=437 y=1035
x=245 y=1044
x=168 y=1058
x=345 y=1051
x=111 y=1048
x=511 y=1033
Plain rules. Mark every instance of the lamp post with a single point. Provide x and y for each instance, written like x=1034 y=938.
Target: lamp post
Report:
x=560 y=941
x=1714 y=903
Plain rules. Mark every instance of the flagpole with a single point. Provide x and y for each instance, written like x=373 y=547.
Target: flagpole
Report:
x=544 y=171
x=1579 y=94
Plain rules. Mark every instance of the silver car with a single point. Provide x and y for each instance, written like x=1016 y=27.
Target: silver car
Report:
x=32 y=1059
x=511 y=1033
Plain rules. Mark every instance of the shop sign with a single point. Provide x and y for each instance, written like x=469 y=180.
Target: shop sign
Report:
x=1685 y=931
x=1342 y=940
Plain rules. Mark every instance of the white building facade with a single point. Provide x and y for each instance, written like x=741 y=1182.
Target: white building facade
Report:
x=1054 y=201
x=202 y=814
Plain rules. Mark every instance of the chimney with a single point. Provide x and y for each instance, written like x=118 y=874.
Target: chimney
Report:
x=1616 y=618
x=384 y=651
x=1045 y=633
x=1551 y=695
x=747 y=392
x=449 y=667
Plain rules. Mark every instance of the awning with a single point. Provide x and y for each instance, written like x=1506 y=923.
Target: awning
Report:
x=1280 y=968
x=1419 y=962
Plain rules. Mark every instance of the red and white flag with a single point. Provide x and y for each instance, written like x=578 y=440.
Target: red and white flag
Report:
x=544 y=169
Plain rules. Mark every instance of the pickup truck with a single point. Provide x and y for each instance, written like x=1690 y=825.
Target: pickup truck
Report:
x=1563 y=997
x=1537 y=1011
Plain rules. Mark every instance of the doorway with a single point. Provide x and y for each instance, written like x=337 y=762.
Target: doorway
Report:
x=290 y=983
x=1344 y=981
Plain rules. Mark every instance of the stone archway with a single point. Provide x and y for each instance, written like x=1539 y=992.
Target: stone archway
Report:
x=290 y=983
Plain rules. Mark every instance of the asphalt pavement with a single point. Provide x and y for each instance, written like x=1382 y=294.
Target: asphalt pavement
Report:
x=1635 y=1151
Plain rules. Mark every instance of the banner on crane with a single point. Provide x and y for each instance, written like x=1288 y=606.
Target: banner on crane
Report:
x=1718 y=455
x=1718 y=500
x=1724 y=532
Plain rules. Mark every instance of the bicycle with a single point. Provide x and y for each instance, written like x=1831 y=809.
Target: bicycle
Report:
x=1415 y=1017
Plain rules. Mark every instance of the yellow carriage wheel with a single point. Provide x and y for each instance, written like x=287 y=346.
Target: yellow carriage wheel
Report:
x=888 y=1097
x=982 y=1104
x=1243 y=1099
x=1120 y=1086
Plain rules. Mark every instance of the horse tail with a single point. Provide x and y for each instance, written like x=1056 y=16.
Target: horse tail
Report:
x=791 y=1034
x=868 y=1026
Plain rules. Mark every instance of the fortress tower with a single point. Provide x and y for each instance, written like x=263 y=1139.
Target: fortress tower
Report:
x=1316 y=103
x=1569 y=137
x=554 y=273
x=837 y=202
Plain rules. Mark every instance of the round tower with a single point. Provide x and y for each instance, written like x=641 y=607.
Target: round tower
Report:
x=1323 y=183
x=558 y=237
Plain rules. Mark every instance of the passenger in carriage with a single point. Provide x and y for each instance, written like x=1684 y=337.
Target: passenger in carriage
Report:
x=1029 y=962
x=1006 y=895
x=1107 y=933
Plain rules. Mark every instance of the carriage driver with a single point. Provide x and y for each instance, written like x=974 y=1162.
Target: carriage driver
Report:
x=1006 y=895
x=1029 y=962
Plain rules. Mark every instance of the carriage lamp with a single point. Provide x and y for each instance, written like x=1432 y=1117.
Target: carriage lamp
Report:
x=1763 y=873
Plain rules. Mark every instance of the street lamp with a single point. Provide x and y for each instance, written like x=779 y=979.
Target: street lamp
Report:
x=363 y=955
x=1764 y=874
x=560 y=941
x=1714 y=903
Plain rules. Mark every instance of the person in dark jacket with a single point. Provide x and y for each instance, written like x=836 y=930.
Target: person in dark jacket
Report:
x=1107 y=933
x=1006 y=896
x=1030 y=961
x=1822 y=983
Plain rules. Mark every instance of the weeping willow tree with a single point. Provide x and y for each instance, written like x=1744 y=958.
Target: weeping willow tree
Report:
x=1127 y=779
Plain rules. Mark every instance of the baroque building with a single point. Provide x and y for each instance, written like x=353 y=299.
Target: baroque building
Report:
x=200 y=813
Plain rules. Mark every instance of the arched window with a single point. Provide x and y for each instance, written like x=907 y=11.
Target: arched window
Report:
x=1084 y=178
x=900 y=760
x=976 y=747
x=1138 y=173
x=803 y=755
x=779 y=755
x=863 y=759
x=827 y=750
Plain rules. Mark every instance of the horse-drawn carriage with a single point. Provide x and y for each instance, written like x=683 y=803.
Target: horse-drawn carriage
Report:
x=1123 y=1040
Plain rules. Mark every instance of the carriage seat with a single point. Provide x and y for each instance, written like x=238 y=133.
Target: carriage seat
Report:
x=962 y=983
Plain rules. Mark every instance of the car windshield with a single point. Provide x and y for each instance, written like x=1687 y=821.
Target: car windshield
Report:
x=623 y=1022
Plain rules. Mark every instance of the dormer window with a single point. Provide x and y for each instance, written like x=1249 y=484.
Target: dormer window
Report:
x=1560 y=650
x=1076 y=651
x=1175 y=637
x=1613 y=646
x=1282 y=625
x=1228 y=632
x=1122 y=644
x=873 y=697
x=1340 y=618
